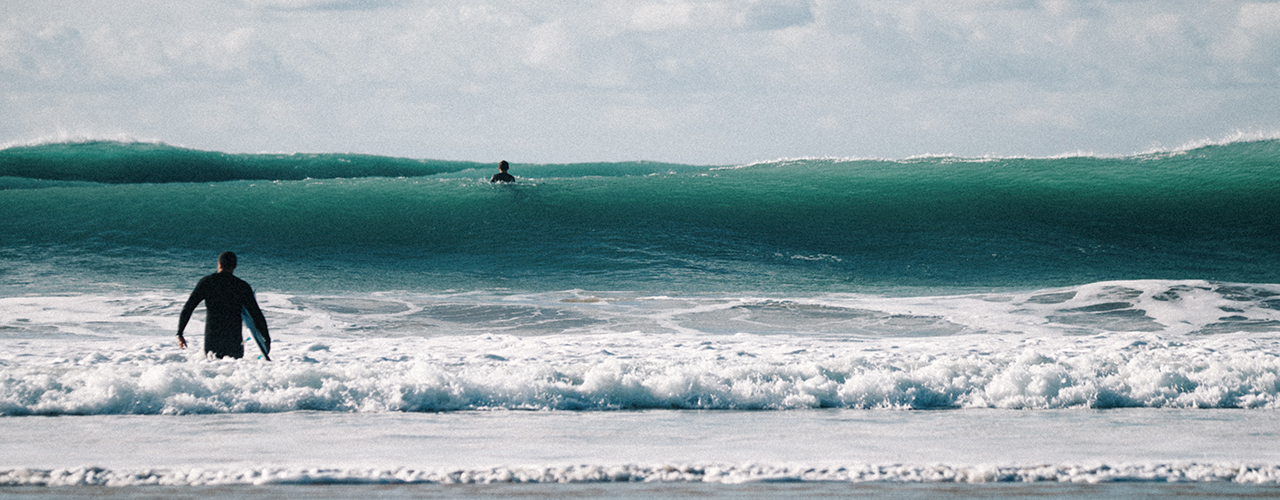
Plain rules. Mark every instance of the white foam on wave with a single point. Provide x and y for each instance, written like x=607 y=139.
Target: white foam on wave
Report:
x=670 y=371
x=64 y=136
x=665 y=473
x=1118 y=344
x=1237 y=136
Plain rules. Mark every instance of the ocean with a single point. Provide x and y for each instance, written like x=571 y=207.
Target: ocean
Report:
x=1079 y=326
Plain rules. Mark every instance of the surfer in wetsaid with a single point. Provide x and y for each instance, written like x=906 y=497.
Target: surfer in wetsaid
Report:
x=502 y=175
x=228 y=300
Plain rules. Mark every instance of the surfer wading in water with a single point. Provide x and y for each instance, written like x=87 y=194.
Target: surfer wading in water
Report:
x=502 y=175
x=224 y=297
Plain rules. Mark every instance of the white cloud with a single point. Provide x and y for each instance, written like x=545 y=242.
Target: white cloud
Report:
x=677 y=80
x=1250 y=51
x=1260 y=17
x=661 y=16
x=320 y=5
x=551 y=48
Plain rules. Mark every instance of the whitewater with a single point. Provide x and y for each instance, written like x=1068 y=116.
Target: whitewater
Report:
x=1081 y=326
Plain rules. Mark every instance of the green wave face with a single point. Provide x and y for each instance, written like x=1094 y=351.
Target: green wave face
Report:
x=365 y=222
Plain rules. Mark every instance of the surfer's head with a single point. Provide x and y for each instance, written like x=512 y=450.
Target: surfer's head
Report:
x=502 y=166
x=226 y=262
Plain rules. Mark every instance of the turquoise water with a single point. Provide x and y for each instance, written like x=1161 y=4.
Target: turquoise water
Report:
x=813 y=327
x=107 y=212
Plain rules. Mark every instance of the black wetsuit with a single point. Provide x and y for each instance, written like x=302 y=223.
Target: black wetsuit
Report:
x=502 y=177
x=223 y=295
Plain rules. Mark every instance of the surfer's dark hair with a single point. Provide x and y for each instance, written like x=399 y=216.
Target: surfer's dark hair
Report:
x=502 y=165
x=227 y=260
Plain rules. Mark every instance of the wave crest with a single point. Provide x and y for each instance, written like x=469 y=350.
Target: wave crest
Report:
x=743 y=372
x=134 y=162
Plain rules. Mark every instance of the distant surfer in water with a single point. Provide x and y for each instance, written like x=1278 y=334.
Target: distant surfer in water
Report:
x=502 y=175
x=224 y=295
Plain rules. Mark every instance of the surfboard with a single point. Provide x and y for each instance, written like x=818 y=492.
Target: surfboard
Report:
x=254 y=333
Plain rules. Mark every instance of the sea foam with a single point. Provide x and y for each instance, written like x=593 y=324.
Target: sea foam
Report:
x=582 y=375
x=666 y=473
x=1106 y=345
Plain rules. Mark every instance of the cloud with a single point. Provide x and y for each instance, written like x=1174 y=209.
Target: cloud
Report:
x=661 y=16
x=777 y=14
x=681 y=80
x=1248 y=50
x=550 y=47
x=320 y=5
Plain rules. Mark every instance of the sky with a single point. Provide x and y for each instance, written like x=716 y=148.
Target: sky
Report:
x=689 y=81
